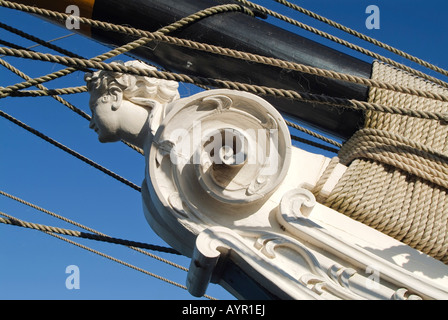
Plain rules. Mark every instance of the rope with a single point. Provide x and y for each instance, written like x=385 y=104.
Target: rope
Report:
x=87 y=228
x=324 y=178
x=69 y=151
x=314 y=144
x=397 y=175
x=238 y=54
x=120 y=50
x=341 y=41
x=59 y=99
x=362 y=36
x=125 y=263
x=40 y=86
x=41 y=42
x=86 y=116
x=25 y=224
x=262 y=90
x=50 y=231
x=397 y=151
x=312 y=133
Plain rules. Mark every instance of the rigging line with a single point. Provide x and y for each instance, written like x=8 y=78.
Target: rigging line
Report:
x=11 y=45
x=88 y=228
x=313 y=134
x=91 y=236
x=47 y=92
x=40 y=86
x=69 y=151
x=247 y=56
x=314 y=144
x=291 y=124
x=61 y=100
x=405 y=110
x=272 y=61
x=46 y=44
x=302 y=68
x=84 y=115
x=53 y=40
x=339 y=41
x=118 y=261
x=117 y=51
x=363 y=36
x=40 y=42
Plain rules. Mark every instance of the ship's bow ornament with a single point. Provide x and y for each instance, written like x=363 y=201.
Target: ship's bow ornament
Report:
x=224 y=186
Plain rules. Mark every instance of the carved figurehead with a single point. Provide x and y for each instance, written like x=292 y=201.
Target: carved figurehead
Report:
x=127 y=107
x=219 y=188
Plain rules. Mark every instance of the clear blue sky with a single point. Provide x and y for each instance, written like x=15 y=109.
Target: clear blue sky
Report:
x=32 y=264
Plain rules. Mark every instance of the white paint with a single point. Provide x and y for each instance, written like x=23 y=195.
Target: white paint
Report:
x=198 y=198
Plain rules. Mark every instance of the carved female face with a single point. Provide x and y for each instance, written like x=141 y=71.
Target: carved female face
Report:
x=105 y=120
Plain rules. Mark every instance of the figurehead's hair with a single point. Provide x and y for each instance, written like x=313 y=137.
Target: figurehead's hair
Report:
x=137 y=89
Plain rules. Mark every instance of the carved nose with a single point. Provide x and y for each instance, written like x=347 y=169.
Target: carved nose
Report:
x=91 y=124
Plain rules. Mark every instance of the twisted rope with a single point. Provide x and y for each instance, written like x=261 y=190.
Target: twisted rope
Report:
x=397 y=178
x=159 y=35
x=70 y=151
x=111 y=27
x=362 y=36
x=50 y=231
x=262 y=90
x=341 y=41
x=87 y=228
x=36 y=226
x=397 y=151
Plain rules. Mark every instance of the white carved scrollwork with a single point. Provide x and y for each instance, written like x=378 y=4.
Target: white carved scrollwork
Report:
x=219 y=187
x=297 y=203
x=222 y=152
x=295 y=208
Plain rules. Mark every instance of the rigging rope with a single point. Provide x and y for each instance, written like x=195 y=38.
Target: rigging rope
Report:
x=397 y=176
x=25 y=224
x=433 y=169
x=50 y=231
x=243 y=55
x=117 y=51
x=262 y=90
x=69 y=151
x=340 y=41
x=363 y=36
x=87 y=228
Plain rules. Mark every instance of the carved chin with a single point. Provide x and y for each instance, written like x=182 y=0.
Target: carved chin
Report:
x=107 y=138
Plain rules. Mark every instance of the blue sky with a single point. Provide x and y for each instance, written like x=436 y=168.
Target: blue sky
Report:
x=32 y=264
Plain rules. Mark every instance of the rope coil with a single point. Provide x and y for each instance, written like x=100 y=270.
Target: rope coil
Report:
x=397 y=176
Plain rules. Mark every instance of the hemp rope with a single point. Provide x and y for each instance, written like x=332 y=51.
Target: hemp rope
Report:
x=159 y=35
x=339 y=41
x=397 y=176
x=74 y=233
x=58 y=216
x=262 y=90
x=51 y=231
x=362 y=36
